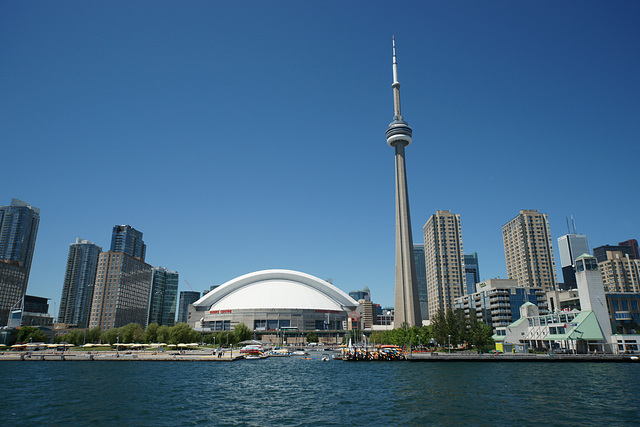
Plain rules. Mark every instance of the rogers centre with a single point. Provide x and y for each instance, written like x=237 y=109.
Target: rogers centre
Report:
x=270 y=301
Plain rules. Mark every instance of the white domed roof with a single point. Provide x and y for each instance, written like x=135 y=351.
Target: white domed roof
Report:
x=277 y=289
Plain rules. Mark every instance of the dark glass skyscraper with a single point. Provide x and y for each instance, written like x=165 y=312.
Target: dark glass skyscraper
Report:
x=186 y=298
x=18 y=230
x=164 y=295
x=128 y=240
x=471 y=272
x=79 y=282
x=421 y=277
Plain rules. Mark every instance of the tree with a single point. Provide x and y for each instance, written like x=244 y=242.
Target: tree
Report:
x=31 y=333
x=151 y=333
x=439 y=327
x=93 y=335
x=110 y=336
x=242 y=332
x=163 y=334
x=181 y=333
x=312 y=336
x=480 y=335
x=131 y=333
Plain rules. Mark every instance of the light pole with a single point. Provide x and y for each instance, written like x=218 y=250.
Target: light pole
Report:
x=118 y=346
x=449 y=344
x=419 y=343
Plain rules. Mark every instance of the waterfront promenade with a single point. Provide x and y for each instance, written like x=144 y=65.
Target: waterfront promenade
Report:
x=517 y=357
x=228 y=356
x=191 y=355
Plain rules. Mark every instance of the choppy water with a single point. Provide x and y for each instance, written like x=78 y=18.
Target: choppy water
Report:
x=294 y=392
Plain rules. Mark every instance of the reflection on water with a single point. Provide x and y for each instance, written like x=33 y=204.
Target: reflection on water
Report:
x=290 y=391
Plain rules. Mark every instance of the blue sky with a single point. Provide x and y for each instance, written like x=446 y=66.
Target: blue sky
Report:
x=240 y=136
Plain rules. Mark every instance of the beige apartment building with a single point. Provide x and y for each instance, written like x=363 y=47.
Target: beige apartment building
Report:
x=528 y=250
x=444 y=260
x=620 y=273
x=121 y=294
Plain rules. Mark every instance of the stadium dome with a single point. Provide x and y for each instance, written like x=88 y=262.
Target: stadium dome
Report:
x=272 y=300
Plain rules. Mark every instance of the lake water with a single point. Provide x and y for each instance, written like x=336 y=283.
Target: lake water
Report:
x=295 y=392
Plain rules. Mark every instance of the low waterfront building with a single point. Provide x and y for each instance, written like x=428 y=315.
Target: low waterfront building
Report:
x=497 y=302
x=577 y=331
x=270 y=301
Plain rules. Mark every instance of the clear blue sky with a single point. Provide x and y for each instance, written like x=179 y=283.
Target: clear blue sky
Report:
x=240 y=136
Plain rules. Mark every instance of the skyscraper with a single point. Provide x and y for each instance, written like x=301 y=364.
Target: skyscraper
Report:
x=164 y=295
x=121 y=293
x=186 y=298
x=18 y=230
x=472 y=272
x=528 y=250
x=128 y=240
x=444 y=260
x=407 y=305
x=79 y=282
x=571 y=246
x=421 y=277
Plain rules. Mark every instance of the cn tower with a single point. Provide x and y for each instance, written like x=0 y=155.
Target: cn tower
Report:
x=407 y=304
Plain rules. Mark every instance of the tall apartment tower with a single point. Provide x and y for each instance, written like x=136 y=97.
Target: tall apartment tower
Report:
x=421 y=277
x=528 y=250
x=444 y=260
x=571 y=246
x=79 y=282
x=121 y=293
x=407 y=305
x=186 y=298
x=164 y=296
x=18 y=230
x=620 y=272
x=128 y=240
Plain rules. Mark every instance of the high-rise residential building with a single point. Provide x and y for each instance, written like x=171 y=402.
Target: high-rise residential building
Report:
x=164 y=295
x=421 y=277
x=407 y=304
x=121 y=293
x=571 y=246
x=528 y=250
x=497 y=302
x=620 y=272
x=128 y=240
x=471 y=272
x=444 y=260
x=186 y=298
x=79 y=282
x=18 y=230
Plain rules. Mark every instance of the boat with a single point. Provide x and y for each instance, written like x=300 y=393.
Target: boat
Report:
x=325 y=358
x=254 y=356
x=307 y=358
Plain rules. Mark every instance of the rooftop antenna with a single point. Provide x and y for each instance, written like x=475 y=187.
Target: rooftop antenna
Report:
x=574 y=225
x=568 y=229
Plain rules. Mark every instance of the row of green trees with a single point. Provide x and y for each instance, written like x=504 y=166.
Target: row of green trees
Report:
x=456 y=328
x=154 y=333
x=446 y=327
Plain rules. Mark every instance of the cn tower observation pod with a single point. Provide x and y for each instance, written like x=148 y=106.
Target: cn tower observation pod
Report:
x=270 y=300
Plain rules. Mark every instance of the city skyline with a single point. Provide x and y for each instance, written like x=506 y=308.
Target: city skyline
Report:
x=242 y=140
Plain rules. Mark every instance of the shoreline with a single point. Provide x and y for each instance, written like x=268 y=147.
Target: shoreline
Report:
x=206 y=356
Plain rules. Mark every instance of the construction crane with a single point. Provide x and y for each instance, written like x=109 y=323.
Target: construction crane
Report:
x=185 y=280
